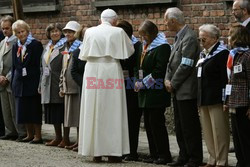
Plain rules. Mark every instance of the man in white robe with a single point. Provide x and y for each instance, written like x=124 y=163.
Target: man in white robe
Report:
x=103 y=117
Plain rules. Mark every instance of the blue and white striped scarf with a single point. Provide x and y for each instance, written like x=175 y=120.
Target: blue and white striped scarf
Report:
x=74 y=46
x=159 y=40
x=134 y=39
x=61 y=42
x=203 y=59
x=24 y=46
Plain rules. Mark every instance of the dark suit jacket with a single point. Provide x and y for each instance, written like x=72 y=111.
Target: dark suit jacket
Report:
x=1 y=36
x=183 y=77
x=77 y=68
x=26 y=85
x=130 y=65
x=213 y=78
x=155 y=63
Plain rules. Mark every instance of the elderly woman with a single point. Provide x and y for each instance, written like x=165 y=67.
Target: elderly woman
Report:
x=68 y=87
x=238 y=92
x=212 y=79
x=25 y=81
x=49 y=85
x=153 y=97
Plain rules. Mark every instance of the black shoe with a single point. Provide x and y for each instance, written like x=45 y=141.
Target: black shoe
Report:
x=131 y=158
x=40 y=141
x=177 y=163
x=20 y=138
x=162 y=161
x=7 y=137
x=149 y=160
x=192 y=164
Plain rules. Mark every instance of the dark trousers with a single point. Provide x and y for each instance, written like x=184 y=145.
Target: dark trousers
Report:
x=157 y=134
x=2 y=126
x=241 y=136
x=134 y=120
x=188 y=131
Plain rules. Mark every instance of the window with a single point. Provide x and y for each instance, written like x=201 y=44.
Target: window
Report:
x=30 y=6
x=104 y=3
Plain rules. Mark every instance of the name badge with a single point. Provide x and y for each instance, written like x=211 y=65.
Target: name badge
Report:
x=140 y=74
x=228 y=89
x=237 y=68
x=46 y=71
x=125 y=73
x=199 y=72
x=24 y=72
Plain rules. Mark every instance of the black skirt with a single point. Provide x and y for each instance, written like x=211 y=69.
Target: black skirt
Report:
x=29 y=110
x=54 y=113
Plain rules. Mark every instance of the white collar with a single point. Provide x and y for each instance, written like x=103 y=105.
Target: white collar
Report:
x=246 y=22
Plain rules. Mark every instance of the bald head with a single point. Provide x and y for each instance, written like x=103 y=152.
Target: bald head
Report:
x=241 y=10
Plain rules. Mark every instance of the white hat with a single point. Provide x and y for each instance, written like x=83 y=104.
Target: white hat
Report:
x=108 y=13
x=72 y=25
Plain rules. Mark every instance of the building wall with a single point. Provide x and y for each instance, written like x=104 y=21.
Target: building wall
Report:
x=197 y=12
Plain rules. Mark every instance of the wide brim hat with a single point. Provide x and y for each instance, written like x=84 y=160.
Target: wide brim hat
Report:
x=72 y=25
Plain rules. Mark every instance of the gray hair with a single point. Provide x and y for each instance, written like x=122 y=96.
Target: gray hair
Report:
x=8 y=18
x=175 y=13
x=20 y=24
x=245 y=4
x=211 y=29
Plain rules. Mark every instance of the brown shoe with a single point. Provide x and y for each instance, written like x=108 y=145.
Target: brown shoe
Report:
x=72 y=146
x=63 y=143
x=53 y=142
x=114 y=159
x=97 y=159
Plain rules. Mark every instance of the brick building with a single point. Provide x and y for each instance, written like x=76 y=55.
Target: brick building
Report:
x=39 y=13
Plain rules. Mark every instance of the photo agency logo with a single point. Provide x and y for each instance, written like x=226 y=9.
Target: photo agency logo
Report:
x=111 y=83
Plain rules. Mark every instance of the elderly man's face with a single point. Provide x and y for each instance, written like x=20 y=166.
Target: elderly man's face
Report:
x=169 y=23
x=6 y=27
x=206 y=40
x=237 y=11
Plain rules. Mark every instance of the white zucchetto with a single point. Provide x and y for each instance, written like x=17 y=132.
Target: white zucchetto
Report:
x=108 y=13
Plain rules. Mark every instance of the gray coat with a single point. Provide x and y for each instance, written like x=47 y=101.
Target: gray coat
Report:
x=181 y=69
x=6 y=61
x=67 y=84
x=49 y=84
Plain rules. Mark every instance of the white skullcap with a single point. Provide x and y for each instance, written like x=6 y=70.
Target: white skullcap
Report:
x=108 y=13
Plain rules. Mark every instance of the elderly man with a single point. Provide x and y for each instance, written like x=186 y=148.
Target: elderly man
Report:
x=181 y=81
x=7 y=100
x=103 y=117
x=241 y=12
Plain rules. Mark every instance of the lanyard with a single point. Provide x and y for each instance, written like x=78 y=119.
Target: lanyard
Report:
x=143 y=54
x=49 y=54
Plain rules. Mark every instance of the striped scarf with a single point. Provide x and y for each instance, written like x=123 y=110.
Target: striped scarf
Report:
x=204 y=58
x=159 y=40
x=134 y=39
x=22 y=48
x=61 y=42
x=230 y=59
x=75 y=45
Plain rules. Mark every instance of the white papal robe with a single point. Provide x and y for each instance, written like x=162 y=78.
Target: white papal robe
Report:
x=103 y=116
